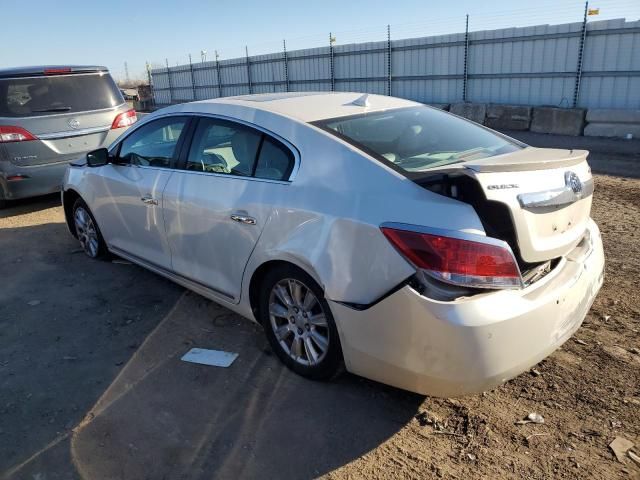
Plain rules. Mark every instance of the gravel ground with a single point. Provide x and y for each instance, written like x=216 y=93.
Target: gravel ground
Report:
x=91 y=385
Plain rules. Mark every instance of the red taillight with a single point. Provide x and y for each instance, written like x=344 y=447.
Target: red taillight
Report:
x=16 y=178
x=10 y=133
x=125 y=119
x=457 y=261
x=57 y=71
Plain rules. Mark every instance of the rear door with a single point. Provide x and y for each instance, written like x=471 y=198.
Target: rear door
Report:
x=127 y=199
x=219 y=200
x=68 y=113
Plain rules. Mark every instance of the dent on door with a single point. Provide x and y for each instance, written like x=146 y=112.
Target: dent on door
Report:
x=213 y=223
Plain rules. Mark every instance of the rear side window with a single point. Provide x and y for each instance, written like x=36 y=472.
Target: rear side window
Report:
x=223 y=147
x=154 y=144
x=49 y=95
x=275 y=161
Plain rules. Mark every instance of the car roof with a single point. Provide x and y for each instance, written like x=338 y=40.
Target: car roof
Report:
x=310 y=106
x=42 y=69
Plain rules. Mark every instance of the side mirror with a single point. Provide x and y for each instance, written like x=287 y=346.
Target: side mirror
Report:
x=98 y=158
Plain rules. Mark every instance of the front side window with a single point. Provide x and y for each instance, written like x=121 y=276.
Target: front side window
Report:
x=154 y=144
x=415 y=139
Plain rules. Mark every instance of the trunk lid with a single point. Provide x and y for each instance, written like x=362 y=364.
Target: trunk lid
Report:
x=548 y=193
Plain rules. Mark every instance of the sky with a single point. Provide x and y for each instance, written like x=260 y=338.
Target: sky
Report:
x=117 y=31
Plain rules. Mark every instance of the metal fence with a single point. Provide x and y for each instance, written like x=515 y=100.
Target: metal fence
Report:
x=583 y=64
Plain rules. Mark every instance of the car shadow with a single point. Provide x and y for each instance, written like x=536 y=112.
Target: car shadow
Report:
x=29 y=205
x=124 y=405
x=67 y=326
x=165 y=418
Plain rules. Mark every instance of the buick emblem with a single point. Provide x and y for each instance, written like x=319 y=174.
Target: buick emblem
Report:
x=572 y=181
x=74 y=123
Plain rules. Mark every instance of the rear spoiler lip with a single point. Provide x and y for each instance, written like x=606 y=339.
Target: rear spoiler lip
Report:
x=576 y=157
x=471 y=169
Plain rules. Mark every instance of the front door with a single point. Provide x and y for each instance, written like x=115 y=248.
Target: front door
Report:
x=128 y=201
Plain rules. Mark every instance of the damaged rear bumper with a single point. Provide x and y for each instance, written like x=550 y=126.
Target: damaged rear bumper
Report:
x=471 y=344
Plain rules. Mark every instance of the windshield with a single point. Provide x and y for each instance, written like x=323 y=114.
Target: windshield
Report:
x=35 y=96
x=418 y=138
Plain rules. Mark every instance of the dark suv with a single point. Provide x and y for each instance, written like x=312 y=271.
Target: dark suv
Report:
x=50 y=116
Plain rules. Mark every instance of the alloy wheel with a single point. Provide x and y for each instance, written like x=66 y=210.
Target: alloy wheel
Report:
x=299 y=322
x=86 y=231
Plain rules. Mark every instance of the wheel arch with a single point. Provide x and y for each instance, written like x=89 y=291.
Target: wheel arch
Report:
x=69 y=197
x=259 y=273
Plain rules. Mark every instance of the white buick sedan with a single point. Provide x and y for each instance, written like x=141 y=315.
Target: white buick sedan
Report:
x=412 y=246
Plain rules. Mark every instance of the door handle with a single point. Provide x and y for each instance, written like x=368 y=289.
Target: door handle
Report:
x=149 y=200
x=243 y=219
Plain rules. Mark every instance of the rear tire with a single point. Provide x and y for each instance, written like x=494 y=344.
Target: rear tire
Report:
x=87 y=231
x=299 y=324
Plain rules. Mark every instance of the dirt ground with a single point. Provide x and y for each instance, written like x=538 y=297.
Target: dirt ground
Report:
x=92 y=386
x=588 y=391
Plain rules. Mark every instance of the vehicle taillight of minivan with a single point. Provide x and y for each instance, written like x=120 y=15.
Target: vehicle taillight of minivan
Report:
x=57 y=71
x=459 y=261
x=10 y=133
x=125 y=119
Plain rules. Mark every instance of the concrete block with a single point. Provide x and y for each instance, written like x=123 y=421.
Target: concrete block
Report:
x=508 y=117
x=610 y=115
x=621 y=130
x=558 y=121
x=441 y=106
x=475 y=112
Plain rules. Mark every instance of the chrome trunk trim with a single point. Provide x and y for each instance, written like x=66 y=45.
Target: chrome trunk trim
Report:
x=557 y=197
x=73 y=133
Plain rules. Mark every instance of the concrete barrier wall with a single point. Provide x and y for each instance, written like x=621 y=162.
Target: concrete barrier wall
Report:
x=552 y=120
x=609 y=115
x=558 y=121
x=607 y=122
x=476 y=112
x=508 y=117
x=620 y=130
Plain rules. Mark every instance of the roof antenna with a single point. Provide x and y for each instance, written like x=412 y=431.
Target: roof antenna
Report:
x=362 y=101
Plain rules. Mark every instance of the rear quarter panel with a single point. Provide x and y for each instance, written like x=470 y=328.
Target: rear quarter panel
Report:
x=329 y=223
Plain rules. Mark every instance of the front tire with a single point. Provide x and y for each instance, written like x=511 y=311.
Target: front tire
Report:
x=299 y=324
x=87 y=231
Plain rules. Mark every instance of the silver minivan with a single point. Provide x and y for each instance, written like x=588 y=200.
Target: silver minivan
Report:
x=49 y=116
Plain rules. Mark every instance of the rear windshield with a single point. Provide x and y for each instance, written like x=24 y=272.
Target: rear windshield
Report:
x=34 y=96
x=415 y=139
